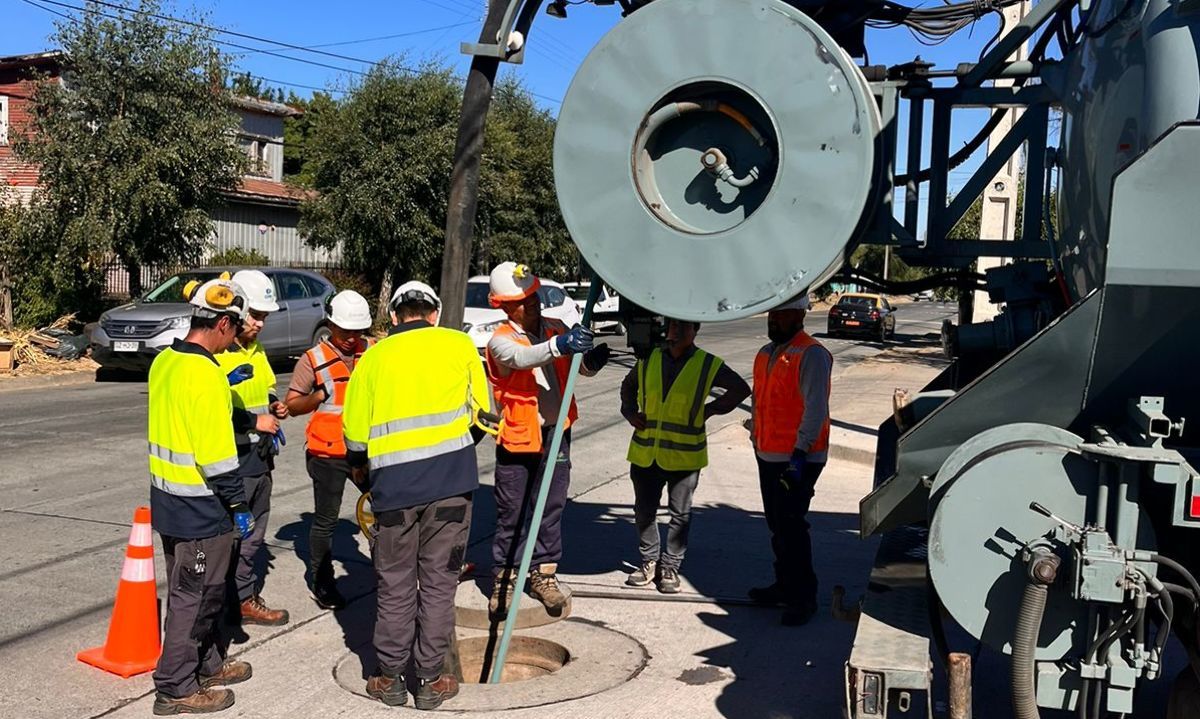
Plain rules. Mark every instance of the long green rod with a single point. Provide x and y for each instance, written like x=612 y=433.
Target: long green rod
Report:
x=535 y=522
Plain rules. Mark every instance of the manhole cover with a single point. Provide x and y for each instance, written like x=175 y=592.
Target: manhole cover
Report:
x=567 y=660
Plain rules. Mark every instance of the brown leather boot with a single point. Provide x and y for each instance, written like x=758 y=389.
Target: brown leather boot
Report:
x=431 y=693
x=388 y=688
x=502 y=594
x=255 y=611
x=204 y=701
x=543 y=586
x=230 y=673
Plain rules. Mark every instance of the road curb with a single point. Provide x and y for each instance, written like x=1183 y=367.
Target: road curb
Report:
x=853 y=455
x=54 y=380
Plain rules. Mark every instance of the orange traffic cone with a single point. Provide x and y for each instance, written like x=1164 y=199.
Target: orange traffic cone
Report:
x=133 y=643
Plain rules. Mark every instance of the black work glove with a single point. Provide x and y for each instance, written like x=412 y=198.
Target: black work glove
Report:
x=597 y=357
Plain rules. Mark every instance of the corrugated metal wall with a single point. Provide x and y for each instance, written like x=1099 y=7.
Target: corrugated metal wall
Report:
x=240 y=225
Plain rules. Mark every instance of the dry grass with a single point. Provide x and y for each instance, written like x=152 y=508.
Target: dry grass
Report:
x=31 y=360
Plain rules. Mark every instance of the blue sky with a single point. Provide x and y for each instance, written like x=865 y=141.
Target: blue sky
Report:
x=433 y=29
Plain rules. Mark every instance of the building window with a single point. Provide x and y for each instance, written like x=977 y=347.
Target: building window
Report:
x=3 y=119
x=257 y=151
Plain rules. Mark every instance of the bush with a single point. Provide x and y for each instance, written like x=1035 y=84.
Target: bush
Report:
x=344 y=280
x=236 y=256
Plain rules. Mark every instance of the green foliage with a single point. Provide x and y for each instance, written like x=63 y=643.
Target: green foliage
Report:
x=246 y=85
x=381 y=161
x=133 y=151
x=343 y=280
x=297 y=132
x=238 y=256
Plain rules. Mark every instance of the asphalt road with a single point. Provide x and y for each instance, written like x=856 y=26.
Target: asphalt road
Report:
x=73 y=468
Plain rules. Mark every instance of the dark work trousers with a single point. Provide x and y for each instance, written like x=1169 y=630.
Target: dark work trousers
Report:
x=198 y=575
x=418 y=556
x=329 y=478
x=648 y=483
x=258 y=496
x=518 y=478
x=786 y=510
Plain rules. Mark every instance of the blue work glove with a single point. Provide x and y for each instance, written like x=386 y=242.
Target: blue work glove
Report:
x=278 y=440
x=795 y=470
x=240 y=374
x=598 y=357
x=243 y=520
x=577 y=339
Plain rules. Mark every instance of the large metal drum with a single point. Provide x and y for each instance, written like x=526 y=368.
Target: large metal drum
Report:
x=713 y=158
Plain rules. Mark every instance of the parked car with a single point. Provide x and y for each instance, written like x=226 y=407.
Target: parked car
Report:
x=926 y=295
x=608 y=302
x=130 y=336
x=863 y=314
x=480 y=319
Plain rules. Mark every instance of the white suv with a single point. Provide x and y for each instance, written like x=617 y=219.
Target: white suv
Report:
x=480 y=319
x=607 y=302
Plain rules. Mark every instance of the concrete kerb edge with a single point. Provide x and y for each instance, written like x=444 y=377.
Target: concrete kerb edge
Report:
x=14 y=384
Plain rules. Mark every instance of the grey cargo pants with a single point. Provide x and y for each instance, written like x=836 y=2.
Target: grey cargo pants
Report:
x=418 y=559
x=198 y=574
x=258 y=494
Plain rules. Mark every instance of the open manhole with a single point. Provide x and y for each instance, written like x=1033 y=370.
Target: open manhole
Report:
x=559 y=662
x=528 y=658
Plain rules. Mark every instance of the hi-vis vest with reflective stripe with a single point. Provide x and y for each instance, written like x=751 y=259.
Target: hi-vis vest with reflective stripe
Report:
x=410 y=397
x=254 y=394
x=517 y=394
x=190 y=433
x=674 y=437
x=324 y=432
x=778 y=404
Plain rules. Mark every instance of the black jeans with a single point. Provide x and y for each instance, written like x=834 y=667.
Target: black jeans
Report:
x=329 y=478
x=786 y=510
x=518 y=479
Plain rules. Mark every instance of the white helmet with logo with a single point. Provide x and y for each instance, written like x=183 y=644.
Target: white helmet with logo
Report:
x=511 y=282
x=217 y=297
x=349 y=310
x=259 y=289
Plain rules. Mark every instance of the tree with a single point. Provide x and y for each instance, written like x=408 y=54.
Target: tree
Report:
x=297 y=132
x=380 y=161
x=134 y=149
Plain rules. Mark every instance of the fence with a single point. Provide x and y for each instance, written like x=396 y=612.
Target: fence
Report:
x=117 y=276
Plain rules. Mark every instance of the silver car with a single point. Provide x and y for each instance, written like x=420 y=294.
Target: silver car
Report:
x=130 y=336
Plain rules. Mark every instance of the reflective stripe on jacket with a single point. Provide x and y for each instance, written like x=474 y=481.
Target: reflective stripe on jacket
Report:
x=190 y=432
x=674 y=437
x=409 y=406
x=516 y=395
x=324 y=432
x=253 y=395
x=778 y=403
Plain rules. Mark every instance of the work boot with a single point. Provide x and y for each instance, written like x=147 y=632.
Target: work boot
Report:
x=769 y=596
x=387 y=688
x=502 y=595
x=229 y=673
x=643 y=576
x=668 y=582
x=432 y=692
x=204 y=701
x=255 y=611
x=327 y=596
x=543 y=586
x=799 y=614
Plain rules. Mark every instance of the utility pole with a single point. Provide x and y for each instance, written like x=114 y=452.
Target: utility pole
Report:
x=464 y=178
x=998 y=219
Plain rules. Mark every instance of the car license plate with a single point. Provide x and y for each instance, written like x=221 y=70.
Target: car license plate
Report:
x=852 y=323
x=125 y=346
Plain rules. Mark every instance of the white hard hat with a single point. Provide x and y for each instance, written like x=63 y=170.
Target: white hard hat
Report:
x=414 y=290
x=348 y=310
x=215 y=298
x=511 y=282
x=799 y=302
x=259 y=289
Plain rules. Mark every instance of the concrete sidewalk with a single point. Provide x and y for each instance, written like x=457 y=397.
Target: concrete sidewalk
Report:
x=710 y=654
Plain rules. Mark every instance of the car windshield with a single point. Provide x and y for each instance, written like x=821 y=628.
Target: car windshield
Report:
x=477 y=295
x=172 y=289
x=857 y=301
x=577 y=292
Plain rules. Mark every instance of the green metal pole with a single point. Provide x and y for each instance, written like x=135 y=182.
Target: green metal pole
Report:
x=543 y=492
